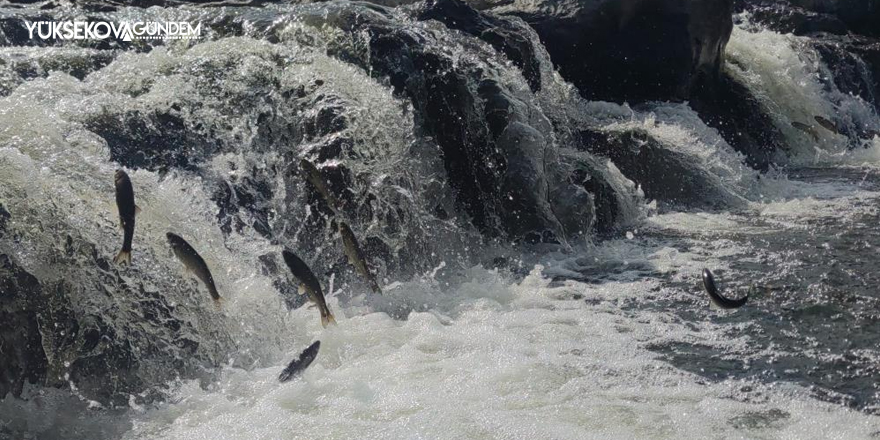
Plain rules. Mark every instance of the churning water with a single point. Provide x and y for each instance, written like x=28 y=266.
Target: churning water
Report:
x=608 y=338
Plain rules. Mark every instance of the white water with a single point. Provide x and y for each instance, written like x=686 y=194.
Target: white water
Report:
x=461 y=352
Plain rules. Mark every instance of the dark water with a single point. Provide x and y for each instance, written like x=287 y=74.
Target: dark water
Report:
x=814 y=314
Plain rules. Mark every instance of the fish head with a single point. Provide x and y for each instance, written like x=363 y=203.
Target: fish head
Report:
x=120 y=176
x=173 y=239
x=708 y=280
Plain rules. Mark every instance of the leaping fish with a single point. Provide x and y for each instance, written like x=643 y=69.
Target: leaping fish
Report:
x=356 y=256
x=194 y=263
x=309 y=284
x=127 y=212
x=826 y=124
x=313 y=175
x=806 y=129
x=296 y=366
x=715 y=295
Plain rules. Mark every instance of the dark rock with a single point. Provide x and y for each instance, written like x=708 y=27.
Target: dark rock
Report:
x=785 y=18
x=632 y=51
x=157 y=141
x=854 y=64
x=664 y=175
x=4 y=218
x=742 y=120
x=23 y=357
x=86 y=325
x=511 y=37
x=861 y=16
x=494 y=151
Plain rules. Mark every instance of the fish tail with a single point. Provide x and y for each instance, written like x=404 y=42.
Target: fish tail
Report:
x=123 y=257
x=218 y=302
x=327 y=318
x=375 y=286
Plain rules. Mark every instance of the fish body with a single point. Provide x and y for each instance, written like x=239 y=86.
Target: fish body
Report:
x=715 y=295
x=127 y=212
x=806 y=129
x=296 y=366
x=308 y=282
x=313 y=175
x=826 y=124
x=194 y=263
x=356 y=256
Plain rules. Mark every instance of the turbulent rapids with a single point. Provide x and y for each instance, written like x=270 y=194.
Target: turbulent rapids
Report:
x=507 y=206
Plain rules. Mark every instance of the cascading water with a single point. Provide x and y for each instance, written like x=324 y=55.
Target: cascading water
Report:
x=477 y=179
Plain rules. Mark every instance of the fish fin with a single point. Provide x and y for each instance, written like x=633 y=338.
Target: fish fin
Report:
x=123 y=257
x=375 y=286
x=121 y=224
x=137 y=210
x=327 y=319
x=218 y=302
x=301 y=289
x=713 y=306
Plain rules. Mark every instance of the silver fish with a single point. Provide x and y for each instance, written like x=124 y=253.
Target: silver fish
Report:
x=806 y=129
x=194 y=263
x=356 y=256
x=313 y=175
x=826 y=124
x=715 y=295
x=127 y=212
x=309 y=284
x=299 y=364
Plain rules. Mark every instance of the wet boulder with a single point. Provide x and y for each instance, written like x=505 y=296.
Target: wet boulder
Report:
x=785 y=18
x=509 y=36
x=861 y=16
x=639 y=50
x=74 y=320
x=729 y=106
x=664 y=175
x=23 y=357
x=497 y=145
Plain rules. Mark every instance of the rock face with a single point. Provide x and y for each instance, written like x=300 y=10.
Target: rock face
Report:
x=23 y=357
x=860 y=16
x=91 y=327
x=843 y=33
x=664 y=175
x=630 y=50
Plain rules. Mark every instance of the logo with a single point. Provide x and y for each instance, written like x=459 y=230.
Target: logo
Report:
x=125 y=31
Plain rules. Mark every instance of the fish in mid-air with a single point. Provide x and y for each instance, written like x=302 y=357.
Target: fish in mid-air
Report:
x=356 y=256
x=826 y=124
x=313 y=176
x=299 y=364
x=715 y=295
x=194 y=263
x=308 y=284
x=127 y=212
x=806 y=129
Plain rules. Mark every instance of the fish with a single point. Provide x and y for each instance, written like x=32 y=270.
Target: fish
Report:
x=356 y=256
x=828 y=125
x=313 y=176
x=309 y=284
x=127 y=212
x=806 y=129
x=194 y=263
x=715 y=296
x=298 y=365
